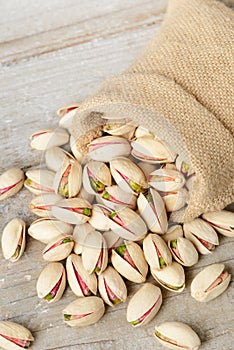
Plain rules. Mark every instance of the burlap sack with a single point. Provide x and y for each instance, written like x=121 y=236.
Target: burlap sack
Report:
x=181 y=87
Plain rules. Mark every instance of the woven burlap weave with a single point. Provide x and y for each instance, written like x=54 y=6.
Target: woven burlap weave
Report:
x=181 y=87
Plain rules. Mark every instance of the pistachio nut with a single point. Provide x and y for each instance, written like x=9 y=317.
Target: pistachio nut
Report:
x=81 y=282
x=106 y=148
x=75 y=150
x=177 y=335
x=183 y=251
x=144 y=305
x=173 y=232
x=45 y=229
x=68 y=179
x=148 y=168
x=100 y=217
x=39 y=181
x=127 y=224
x=172 y=277
x=152 y=150
x=111 y=287
x=96 y=176
x=156 y=252
x=13 y=336
x=166 y=180
x=85 y=195
x=11 y=182
x=79 y=235
x=222 y=221
x=66 y=114
x=112 y=240
x=14 y=240
x=42 y=204
x=115 y=198
x=51 y=282
x=47 y=138
x=128 y=259
x=59 y=248
x=56 y=157
x=152 y=209
x=120 y=127
x=141 y=131
x=209 y=283
x=84 y=311
x=95 y=253
x=202 y=235
x=128 y=175
x=73 y=210
x=183 y=166
x=175 y=200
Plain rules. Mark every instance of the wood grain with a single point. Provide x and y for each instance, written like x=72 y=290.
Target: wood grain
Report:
x=53 y=53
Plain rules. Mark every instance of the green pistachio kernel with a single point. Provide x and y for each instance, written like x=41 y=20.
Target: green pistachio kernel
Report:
x=121 y=250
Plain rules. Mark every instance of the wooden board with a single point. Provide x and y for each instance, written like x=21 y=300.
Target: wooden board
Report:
x=53 y=53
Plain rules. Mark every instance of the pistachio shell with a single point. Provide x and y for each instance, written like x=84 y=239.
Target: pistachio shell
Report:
x=171 y=277
x=45 y=230
x=156 y=251
x=42 y=204
x=73 y=210
x=13 y=336
x=75 y=150
x=152 y=210
x=66 y=114
x=112 y=240
x=51 y=282
x=127 y=224
x=58 y=249
x=183 y=251
x=124 y=128
x=128 y=175
x=85 y=195
x=99 y=219
x=141 y=132
x=106 y=148
x=148 y=168
x=112 y=287
x=47 y=138
x=177 y=335
x=202 y=235
x=94 y=253
x=183 y=166
x=13 y=239
x=56 y=157
x=11 y=181
x=80 y=281
x=115 y=198
x=144 y=305
x=84 y=311
x=222 y=221
x=131 y=264
x=175 y=200
x=96 y=176
x=166 y=180
x=79 y=235
x=209 y=283
x=173 y=232
x=39 y=181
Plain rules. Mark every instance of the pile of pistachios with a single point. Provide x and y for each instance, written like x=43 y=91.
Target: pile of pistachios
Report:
x=105 y=217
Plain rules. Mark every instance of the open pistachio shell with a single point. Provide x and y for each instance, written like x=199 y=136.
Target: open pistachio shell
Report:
x=128 y=259
x=106 y=148
x=81 y=282
x=202 y=235
x=85 y=195
x=45 y=229
x=100 y=217
x=209 y=283
x=84 y=311
x=128 y=175
x=112 y=240
x=73 y=210
x=144 y=305
x=183 y=251
x=152 y=209
x=141 y=131
x=175 y=200
x=47 y=138
x=75 y=150
x=79 y=236
x=183 y=166
x=112 y=287
x=39 y=181
x=127 y=224
x=51 y=282
x=172 y=277
x=95 y=253
x=56 y=157
x=166 y=180
x=156 y=251
x=148 y=168
x=59 y=248
x=115 y=198
x=222 y=221
x=124 y=128
x=13 y=336
x=14 y=240
x=11 y=182
x=42 y=204
x=66 y=114
x=177 y=335
x=96 y=176
x=68 y=179
x=173 y=232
